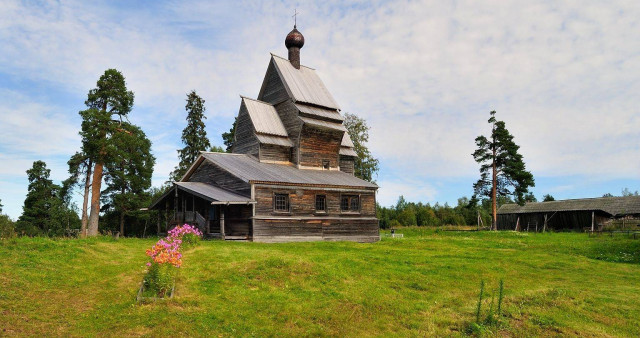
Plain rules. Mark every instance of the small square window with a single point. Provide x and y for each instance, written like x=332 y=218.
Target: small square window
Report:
x=326 y=164
x=281 y=202
x=321 y=203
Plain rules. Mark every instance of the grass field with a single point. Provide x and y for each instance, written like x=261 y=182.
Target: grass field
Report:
x=424 y=284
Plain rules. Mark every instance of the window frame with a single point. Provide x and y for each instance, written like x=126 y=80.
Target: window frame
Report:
x=287 y=202
x=320 y=211
x=350 y=199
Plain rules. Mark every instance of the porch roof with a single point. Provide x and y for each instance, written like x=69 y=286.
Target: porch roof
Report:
x=208 y=192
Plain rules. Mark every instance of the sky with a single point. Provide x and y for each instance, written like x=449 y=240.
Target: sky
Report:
x=563 y=75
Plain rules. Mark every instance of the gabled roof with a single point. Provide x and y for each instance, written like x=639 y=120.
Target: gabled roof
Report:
x=248 y=169
x=264 y=117
x=614 y=206
x=303 y=85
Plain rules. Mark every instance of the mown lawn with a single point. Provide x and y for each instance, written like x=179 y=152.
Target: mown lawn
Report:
x=424 y=284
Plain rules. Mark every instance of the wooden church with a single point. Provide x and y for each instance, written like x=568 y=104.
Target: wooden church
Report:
x=291 y=174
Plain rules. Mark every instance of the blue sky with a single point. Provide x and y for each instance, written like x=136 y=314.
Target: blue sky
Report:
x=564 y=76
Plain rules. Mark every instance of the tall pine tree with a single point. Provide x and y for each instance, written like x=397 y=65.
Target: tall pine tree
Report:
x=110 y=97
x=366 y=166
x=194 y=137
x=502 y=169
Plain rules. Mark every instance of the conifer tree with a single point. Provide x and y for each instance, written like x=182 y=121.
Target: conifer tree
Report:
x=110 y=97
x=502 y=169
x=128 y=171
x=365 y=166
x=229 y=138
x=194 y=137
x=44 y=211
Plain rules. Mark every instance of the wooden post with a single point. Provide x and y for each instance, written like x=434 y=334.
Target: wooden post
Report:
x=206 y=220
x=518 y=224
x=222 y=207
x=544 y=228
x=478 y=220
x=593 y=223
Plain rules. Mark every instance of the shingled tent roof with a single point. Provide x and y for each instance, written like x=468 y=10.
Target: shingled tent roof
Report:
x=249 y=169
x=615 y=206
x=304 y=85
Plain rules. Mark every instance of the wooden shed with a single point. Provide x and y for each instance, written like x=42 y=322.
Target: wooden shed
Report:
x=291 y=174
x=574 y=214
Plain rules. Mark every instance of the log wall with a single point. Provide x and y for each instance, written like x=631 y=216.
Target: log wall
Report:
x=347 y=164
x=246 y=141
x=319 y=144
x=272 y=152
x=210 y=173
x=273 y=89
x=304 y=223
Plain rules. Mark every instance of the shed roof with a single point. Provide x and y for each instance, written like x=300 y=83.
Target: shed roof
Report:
x=346 y=151
x=615 y=206
x=274 y=140
x=248 y=169
x=346 y=141
x=208 y=192
x=331 y=114
x=264 y=117
x=324 y=124
x=303 y=84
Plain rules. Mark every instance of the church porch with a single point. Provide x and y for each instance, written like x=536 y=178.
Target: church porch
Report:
x=218 y=213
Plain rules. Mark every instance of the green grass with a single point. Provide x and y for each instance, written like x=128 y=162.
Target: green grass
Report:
x=424 y=284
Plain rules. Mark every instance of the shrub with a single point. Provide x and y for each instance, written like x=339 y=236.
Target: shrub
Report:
x=7 y=228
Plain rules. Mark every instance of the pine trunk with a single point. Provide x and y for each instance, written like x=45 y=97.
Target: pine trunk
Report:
x=85 y=202
x=95 y=199
x=494 y=186
x=122 y=223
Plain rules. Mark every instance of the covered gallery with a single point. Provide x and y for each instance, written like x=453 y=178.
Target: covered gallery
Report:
x=577 y=214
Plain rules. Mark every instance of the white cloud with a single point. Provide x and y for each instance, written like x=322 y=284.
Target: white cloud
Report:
x=424 y=74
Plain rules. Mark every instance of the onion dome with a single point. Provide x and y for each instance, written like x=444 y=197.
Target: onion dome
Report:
x=294 y=39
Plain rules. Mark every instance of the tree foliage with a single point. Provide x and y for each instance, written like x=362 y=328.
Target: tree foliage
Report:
x=365 y=166
x=502 y=169
x=406 y=213
x=44 y=211
x=548 y=198
x=194 y=136
x=128 y=171
x=229 y=137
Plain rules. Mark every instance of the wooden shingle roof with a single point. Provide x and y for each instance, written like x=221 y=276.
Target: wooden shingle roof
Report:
x=615 y=206
x=264 y=117
x=304 y=85
x=249 y=169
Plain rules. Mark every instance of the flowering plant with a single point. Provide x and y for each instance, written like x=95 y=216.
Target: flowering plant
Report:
x=165 y=254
